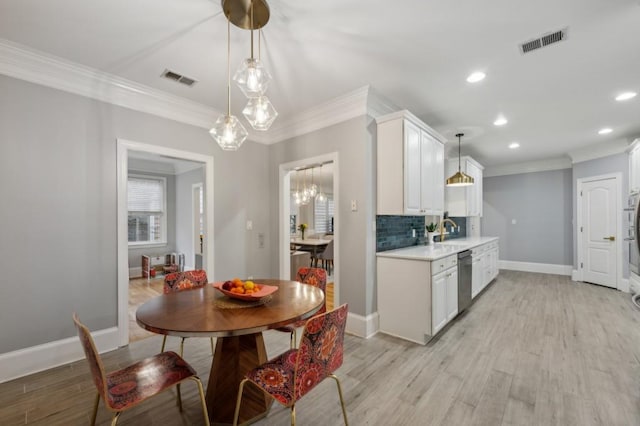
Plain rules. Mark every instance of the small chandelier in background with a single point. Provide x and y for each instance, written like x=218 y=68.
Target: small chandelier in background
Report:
x=227 y=130
x=459 y=179
x=321 y=197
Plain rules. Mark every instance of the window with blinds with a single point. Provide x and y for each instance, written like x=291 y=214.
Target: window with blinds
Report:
x=323 y=216
x=146 y=201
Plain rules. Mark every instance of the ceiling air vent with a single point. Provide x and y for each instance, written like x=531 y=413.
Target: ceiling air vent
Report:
x=172 y=75
x=543 y=41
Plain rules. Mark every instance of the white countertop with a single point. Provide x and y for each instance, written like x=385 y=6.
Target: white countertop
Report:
x=435 y=251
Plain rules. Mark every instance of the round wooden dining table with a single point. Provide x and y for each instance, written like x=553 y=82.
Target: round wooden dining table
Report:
x=239 y=345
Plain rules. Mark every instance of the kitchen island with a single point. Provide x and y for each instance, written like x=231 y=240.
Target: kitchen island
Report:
x=418 y=285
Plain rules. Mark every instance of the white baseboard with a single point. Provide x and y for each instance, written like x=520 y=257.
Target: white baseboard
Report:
x=634 y=283
x=135 y=272
x=624 y=285
x=542 y=268
x=53 y=354
x=363 y=326
x=574 y=275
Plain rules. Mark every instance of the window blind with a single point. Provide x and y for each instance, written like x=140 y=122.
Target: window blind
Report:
x=323 y=212
x=145 y=195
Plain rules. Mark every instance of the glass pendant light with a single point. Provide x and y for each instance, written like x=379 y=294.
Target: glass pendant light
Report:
x=306 y=198
x=252 y=77
x=321 y=197
x=459 y=179
x=227 y=130
x=260 y=113
x=297 y=196
x=313 y=189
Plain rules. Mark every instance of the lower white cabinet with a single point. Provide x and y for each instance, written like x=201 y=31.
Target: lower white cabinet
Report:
x=416 y=298
x=484 y=266
x=444 y=298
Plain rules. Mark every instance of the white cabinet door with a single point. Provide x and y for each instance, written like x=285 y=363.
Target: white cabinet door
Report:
x=474 y=192
x=452 y=293
x=427 y=177
x=476 y=275
x=439 y=301
x=437 y=171
x=412 y=169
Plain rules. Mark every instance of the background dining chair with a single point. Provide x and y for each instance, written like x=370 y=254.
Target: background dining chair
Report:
x=291 y=375
x=326 y=257
x=313 y=276
x=125 y=388
x=180 y=281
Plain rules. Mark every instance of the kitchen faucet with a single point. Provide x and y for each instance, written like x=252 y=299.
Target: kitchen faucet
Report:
x=442 y=222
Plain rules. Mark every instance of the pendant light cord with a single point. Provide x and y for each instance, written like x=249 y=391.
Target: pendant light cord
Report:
x=228 y=67
x=251 y=29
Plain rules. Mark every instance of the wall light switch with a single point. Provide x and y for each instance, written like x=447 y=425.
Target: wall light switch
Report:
x=513 y=221
x=261 y=240
x=354 y=205
x=249 y=225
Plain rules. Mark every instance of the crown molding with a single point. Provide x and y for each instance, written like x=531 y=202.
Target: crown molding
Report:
x=558 y=163
x=593 y=152
x=334 y=111
x=378 y=105
x=24 y=63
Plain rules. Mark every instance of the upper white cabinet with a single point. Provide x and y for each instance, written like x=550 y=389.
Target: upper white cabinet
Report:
x=410 y=166
x=634 y=167
x=465 y=201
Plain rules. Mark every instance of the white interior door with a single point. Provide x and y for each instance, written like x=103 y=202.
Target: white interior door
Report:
x=599 y=229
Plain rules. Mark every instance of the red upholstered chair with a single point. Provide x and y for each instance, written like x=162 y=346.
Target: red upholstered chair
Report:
x=290 y=376
x=313 y=276
x=128 y=387
x=180 y=281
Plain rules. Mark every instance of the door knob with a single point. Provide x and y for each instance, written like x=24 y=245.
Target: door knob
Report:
x=610 y=238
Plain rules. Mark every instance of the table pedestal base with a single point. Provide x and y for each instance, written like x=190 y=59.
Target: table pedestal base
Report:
x=233 y=358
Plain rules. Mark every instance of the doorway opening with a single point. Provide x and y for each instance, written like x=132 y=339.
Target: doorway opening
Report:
x=320 y=214
x=599 y=230
x=157 y=226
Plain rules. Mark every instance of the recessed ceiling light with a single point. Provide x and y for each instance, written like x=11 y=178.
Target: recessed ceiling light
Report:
x=514 y=145
x=501 y=121
x=605 y=131
x=476 y=77
x=626 y=96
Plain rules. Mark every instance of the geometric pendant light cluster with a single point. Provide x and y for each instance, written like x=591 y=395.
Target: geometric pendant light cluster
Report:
x=252 y=78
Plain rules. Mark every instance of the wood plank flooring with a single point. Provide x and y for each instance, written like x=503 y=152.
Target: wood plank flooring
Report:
x=532 y=350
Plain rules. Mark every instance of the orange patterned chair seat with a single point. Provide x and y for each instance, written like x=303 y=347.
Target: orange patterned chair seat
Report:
x=134 y=384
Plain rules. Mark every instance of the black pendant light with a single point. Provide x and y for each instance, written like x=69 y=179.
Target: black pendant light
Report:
x=459 y=179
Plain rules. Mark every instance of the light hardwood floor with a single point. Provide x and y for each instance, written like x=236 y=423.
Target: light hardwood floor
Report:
x=532 y=350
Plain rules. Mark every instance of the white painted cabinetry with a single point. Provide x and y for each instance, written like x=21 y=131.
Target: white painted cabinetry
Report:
x=484 y=266
x=467 y=200
x=634 y=167
x=410 y=166
x=416 y=298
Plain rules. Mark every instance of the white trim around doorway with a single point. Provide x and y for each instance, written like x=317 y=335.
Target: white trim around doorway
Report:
x=122 y=150
x=284 y=201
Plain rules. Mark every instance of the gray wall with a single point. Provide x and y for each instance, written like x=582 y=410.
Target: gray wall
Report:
x=58 y=215
x=184 y=212
x=353 y=144
x=541 y=205
x=618 y=163
x=135 y=253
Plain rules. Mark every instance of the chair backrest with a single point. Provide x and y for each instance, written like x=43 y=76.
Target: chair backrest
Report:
x=316 y=277
x=93 y=357
x=321 y=349
x=328 y=251
x=178 y=281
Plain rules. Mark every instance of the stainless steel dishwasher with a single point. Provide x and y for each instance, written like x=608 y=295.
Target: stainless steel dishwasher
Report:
x=464 y=280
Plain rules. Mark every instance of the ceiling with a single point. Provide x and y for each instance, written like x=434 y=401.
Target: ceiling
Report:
x=416 y=53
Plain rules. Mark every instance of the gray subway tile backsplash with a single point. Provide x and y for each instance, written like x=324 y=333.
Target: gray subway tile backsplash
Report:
x=393 y=232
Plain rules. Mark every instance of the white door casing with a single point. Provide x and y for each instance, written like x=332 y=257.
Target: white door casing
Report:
x=598 y=226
